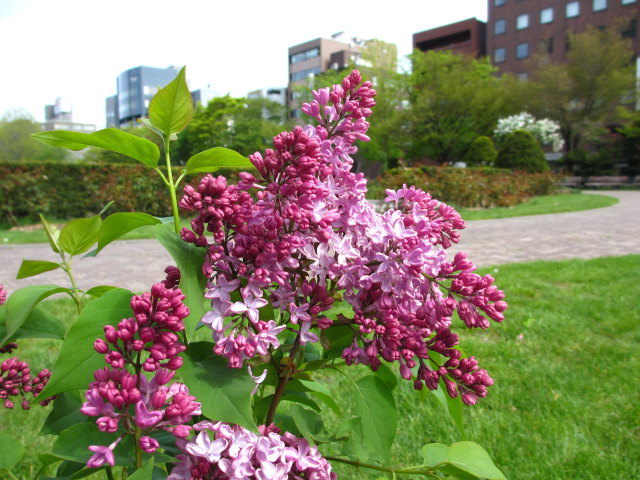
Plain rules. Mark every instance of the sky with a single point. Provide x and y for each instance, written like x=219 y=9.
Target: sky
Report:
x=75 y=49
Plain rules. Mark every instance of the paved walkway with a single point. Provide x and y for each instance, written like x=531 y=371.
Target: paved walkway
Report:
x=615 y=230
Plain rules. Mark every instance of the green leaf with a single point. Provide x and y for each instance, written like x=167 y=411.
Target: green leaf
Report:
x=308 y=422
x=29 y=268
x=73 y=444
x=78 y=235
x=171 y=108
x=377 y=411
x=225 y=393
x=112 y=139
x=117 y=224
x=434 y=454
x=99 y=290
x=11 y=451
x=52 y=233
x=453 y=406
x=39 y=324
x=21 y=302
x=216 y=158
x=471 y=458
x=143 y=473
x=322 y=393
x=387 y=376
x=64 y=414
x=78 y=359
x=189 y=260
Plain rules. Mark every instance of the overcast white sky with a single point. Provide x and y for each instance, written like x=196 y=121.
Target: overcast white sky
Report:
x=77 y=48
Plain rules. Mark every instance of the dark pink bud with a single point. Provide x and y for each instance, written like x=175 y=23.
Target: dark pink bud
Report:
x=182 y=431
x=174 y=364
x=101 y=346
x=148 y=444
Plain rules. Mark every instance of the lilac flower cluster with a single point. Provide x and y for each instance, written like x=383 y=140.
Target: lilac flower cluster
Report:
x=122 y=397
x=230 y=452
x=16 y=381
x=308 y=236
x=15 y=375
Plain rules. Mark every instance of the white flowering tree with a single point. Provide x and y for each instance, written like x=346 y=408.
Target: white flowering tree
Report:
x=546 y=131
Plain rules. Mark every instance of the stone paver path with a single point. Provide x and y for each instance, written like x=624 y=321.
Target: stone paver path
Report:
x=615 y=230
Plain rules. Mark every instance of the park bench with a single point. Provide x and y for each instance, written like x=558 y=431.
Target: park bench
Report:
x=606 y=181
x=573 y=182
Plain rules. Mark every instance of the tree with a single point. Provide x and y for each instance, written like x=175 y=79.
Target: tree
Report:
x=583 y=93
x=481 y=153
x=241 y=124
x=521 y=151
x=16 y=143
x=454 y=99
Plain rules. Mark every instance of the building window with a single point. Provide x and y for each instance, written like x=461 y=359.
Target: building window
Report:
x=627 y=2
x=500 y=27
x=306 y=55
x=522 y=21
x=573 y=9
x=546 y=45
x=499 y=55
x=523 y=77
x=546 y=15
x=302 y=74
x=522 y=50
x=599 y=5
x=632 y=29
x=498 y=3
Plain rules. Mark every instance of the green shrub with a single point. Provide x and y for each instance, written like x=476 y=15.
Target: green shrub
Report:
x=63 y=191
x=481 y=152
x=468 y=187
x=521 y=151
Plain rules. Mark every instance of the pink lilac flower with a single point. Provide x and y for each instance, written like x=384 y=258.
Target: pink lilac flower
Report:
x=301 y=233
x=147 y=342
x=220 y=450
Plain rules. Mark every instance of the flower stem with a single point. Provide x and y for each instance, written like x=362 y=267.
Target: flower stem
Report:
x=171 y=185
x=66 y=266
x=109 y=473
x=138 y=449
x=409 y=471
x=285 y=376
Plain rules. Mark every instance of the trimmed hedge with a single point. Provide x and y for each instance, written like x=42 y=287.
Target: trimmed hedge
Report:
x=468 y=187
x=64 y=191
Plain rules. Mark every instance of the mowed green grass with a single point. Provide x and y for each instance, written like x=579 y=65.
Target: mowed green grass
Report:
x=567 y=202
x=563 y=202
x=566 y=402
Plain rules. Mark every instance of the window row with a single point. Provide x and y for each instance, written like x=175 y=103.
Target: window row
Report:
x=306 y=55
x=302 y=74
x=597 y=4
x=500 y=54
x=572 y=9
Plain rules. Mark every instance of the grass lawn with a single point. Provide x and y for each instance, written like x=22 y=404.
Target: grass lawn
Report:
x=566 y=400
x=568 y=202
x=564 y=202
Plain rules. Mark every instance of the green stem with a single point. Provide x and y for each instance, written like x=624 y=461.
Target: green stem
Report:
x=409 y=471
x=171 y=185
x=109 y=473
x=138 y=449
x=66 y=266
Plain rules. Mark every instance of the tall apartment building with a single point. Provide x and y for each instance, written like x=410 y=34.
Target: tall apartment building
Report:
x=315 y=57
x=465 y=37
x=136 y=87
x=517 y=29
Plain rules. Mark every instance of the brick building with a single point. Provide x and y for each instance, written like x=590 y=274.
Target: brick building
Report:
x=467 y=36
x=517 y=29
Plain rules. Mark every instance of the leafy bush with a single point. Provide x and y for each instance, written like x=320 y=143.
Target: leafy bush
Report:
x=481 y=152
x=62 y=191
x=521 y=151
x=468 y=187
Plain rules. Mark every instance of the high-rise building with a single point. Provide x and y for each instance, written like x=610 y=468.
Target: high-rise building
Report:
x=136 y=87
x=517 y=29
x=465 y=37
x=318 y=56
